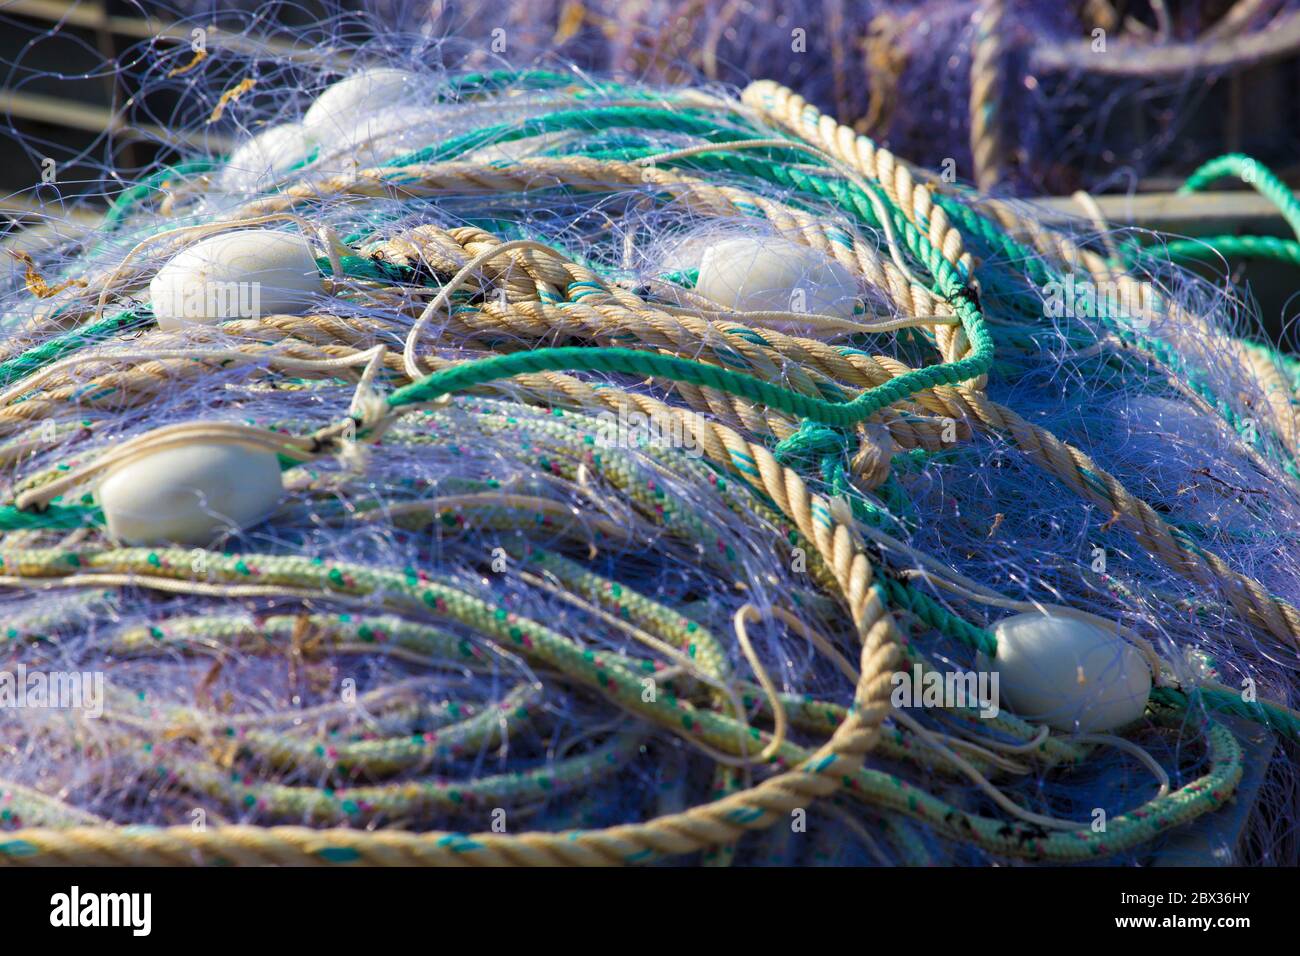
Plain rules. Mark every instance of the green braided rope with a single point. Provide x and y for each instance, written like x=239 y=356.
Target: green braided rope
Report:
x=51 y=350
x=688 y=121
x=125 y=201
x=1253 y=173
x=1275 y=718
x=1248 y=247
x=629 y=361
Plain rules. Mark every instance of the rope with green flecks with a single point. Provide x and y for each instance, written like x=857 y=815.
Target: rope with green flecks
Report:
x=558 y=294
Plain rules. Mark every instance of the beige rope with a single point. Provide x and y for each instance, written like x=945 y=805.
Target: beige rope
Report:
x=987 y=136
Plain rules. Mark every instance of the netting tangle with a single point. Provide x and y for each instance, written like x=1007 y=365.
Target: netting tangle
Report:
x=510 y=464
x=1025 y=96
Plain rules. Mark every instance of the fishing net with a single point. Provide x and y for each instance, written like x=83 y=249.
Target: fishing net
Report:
x=572 y=558
x=1022 y=96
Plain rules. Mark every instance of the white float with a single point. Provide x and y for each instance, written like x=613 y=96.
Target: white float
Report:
x=190 y=494
x=775 y=275
x=385 y=134
x=1070 y=674
x=337 y=110
x=235 y=275
x=262 y=158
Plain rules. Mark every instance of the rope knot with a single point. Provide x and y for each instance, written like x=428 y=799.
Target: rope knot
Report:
x=875 y=456
x=810 y=444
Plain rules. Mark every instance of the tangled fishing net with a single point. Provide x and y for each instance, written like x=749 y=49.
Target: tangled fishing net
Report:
x=583 y=539
x=1023 y=96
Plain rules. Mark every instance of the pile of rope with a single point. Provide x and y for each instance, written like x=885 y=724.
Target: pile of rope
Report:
x=1030 y=98
x=491 y=622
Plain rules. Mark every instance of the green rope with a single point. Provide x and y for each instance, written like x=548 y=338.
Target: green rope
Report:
x=1247 y=247
x=629 y=361
x=661 y=118
x=37 y=357
x=125 y=201
x=60 y=517
x=1275 y=718
x=1253 y=173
